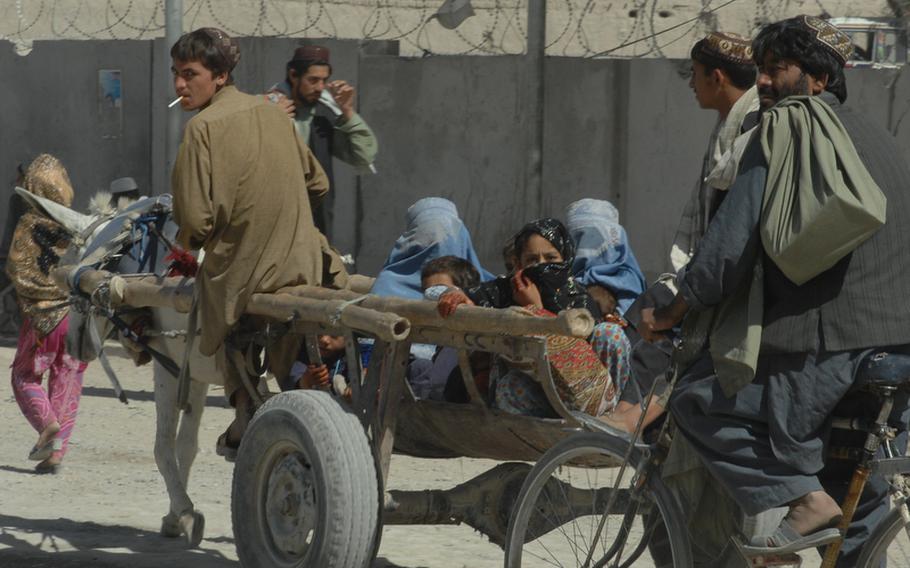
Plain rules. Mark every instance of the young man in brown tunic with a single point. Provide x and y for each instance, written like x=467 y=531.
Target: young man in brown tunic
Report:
x=240 y=193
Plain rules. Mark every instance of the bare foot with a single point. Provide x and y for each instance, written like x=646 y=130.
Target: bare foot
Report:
x=626 y=415
x=615 y=420
x=47 y=435
x=813 y=511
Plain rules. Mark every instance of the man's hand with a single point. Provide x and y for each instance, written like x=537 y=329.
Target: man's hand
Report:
x=344 y=95
x=284 y=103
x=655 y=321
x=315 y=377
x=449 y=301
x=525 y=292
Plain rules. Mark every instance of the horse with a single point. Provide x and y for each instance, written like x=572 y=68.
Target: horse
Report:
x=134 y=239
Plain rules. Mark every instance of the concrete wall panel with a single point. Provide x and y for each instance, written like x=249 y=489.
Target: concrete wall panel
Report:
x=53 y=106
x=448 y=127
x=625 y=130
x=667 y=136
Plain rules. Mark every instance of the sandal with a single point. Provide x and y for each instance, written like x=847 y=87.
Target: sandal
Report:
x=785 y=540
x=226 y=449
x=39 y=454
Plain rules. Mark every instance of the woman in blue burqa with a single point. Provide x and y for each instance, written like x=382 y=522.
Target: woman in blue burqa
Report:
x=433 y=230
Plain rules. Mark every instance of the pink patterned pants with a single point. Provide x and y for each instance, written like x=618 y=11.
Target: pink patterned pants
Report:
x=36 y=357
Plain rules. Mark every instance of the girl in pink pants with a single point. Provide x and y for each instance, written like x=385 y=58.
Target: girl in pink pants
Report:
x=51 y=412
x=38 y=243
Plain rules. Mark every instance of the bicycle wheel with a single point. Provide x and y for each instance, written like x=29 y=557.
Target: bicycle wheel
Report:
x=559 y=520
x=890 y=541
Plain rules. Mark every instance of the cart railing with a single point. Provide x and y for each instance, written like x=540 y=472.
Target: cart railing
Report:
x=395 y=324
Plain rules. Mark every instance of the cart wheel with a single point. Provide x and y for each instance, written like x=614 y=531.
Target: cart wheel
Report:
x=559 y=520
x=304 y=492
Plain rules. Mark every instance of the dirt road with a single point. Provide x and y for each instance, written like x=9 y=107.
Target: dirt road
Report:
x=103 y=510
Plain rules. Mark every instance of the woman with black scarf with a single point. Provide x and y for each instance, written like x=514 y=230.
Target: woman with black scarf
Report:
x=543 y=284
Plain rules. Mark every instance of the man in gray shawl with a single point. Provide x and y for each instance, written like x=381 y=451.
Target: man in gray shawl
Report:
x=794 y=307
x=723 y=79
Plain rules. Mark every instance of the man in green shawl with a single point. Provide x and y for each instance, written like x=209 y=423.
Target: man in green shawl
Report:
x=806 y=259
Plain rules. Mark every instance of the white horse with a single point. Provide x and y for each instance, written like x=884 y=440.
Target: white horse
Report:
x=120 y=241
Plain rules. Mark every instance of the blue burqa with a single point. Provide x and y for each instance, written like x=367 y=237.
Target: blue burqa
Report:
x=603 y=256
x=433 y=230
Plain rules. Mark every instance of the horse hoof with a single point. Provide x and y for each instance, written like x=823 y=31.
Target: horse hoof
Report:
x=192 y=526
x=170 y=526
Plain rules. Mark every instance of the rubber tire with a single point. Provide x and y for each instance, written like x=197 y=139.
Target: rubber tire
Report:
x=339 y=453
x=604 y=444
x=881 y=538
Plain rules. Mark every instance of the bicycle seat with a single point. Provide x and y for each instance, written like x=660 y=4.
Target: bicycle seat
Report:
x=883 y=369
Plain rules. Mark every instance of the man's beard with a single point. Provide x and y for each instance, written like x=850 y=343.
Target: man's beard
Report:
x=310 y=99
x=800 y=87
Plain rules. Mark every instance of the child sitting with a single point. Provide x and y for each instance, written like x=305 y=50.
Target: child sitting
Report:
x=449 y=272
x=543 y=283
x=438 y=378
x=331 y=373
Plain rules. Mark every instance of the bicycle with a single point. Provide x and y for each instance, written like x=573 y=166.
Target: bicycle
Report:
x=556 y=522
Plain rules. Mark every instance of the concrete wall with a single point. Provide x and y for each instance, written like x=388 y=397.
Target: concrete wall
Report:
x=624 y=130
x=50 y=104
x=628 y=131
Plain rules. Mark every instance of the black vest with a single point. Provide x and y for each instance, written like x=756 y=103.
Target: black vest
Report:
x=862 y=301
x=322 y=133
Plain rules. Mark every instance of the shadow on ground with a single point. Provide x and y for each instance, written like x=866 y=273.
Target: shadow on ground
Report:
x=65 y=543
x=216 y=401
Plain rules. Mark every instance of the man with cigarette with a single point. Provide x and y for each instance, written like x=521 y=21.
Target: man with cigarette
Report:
x=324 y=116
x=232 y=187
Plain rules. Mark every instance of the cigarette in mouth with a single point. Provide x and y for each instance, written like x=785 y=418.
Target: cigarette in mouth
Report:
x=174 y=102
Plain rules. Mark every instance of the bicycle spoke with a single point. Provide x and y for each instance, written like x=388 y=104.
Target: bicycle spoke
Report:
x=566 y=486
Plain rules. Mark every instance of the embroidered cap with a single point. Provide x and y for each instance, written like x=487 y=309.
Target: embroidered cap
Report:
x=827 y=34
x=733 y=48
x=225 y=44
x=311 y=53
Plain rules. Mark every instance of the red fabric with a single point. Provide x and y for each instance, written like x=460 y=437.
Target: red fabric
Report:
x=183 y=263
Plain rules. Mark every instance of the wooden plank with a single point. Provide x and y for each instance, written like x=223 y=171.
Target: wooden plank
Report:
x=386 y=326
x=352 y=359
x=515 y=347
x=467 y=375
x=510 y=321
x=392 y=388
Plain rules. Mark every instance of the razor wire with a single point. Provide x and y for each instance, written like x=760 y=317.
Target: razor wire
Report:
x=579 y=28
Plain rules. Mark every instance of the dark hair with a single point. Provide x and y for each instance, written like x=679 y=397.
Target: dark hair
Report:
x=199 y=46
x=300 y=66
x=463 y=273
x=741 y=75
x=789 y=39
x=508 y=255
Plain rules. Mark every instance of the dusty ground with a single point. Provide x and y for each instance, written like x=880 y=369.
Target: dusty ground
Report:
x=104 y=509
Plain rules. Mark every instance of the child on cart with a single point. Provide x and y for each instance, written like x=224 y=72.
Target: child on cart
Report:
x=330 y=371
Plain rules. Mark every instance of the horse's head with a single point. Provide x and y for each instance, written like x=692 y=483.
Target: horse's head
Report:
x=127 y=240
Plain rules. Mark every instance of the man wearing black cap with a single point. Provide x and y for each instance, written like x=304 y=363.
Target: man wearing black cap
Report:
x=325 y=118
x=794 y=299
